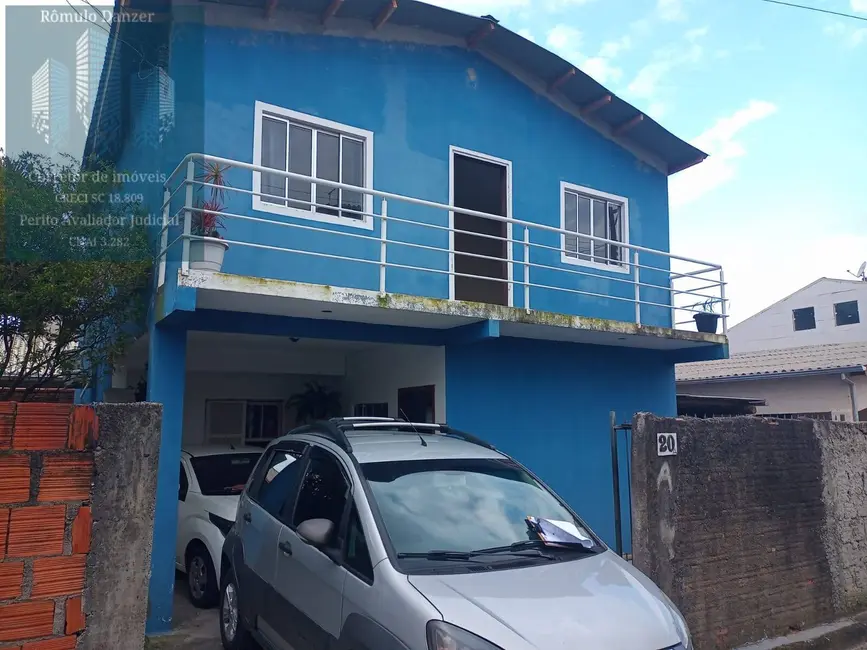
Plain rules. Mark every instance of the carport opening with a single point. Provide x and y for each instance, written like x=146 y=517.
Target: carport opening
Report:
x=247 y=390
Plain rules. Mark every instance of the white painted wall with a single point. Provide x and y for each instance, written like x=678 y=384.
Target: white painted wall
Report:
x=773 y=328
x=202 y=386
x=792 y=395
x=375 y=375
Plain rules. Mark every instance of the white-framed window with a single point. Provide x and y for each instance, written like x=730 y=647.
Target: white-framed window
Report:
x=238 y=421
x=304 y=144
x=585 y=211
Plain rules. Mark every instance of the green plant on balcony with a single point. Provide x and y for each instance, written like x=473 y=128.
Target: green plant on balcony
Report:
x=207 y=254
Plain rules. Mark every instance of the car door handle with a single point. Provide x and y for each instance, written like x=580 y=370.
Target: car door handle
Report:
x=247 y=517
x=286 y=547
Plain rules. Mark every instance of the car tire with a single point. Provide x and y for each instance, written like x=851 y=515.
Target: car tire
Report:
x=232 y=631
x=201 y=577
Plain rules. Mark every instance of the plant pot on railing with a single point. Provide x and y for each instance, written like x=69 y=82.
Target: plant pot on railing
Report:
x=207 y=254
x=707 y=321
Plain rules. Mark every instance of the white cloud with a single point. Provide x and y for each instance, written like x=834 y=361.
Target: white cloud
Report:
x=844 y=33
x=657 y=110
x=859 y=6
x=720 y=142
x=526 y=33
x=601 y=69
x=566 y=41
x=562 y=37
x=693 y=35
x=646 y=82
x=613 y=48
x=670 y=10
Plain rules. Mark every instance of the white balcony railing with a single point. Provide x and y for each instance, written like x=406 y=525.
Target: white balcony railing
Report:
x=650 y=281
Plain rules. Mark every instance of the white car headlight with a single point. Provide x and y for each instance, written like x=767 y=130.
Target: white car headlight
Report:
x=445 y=636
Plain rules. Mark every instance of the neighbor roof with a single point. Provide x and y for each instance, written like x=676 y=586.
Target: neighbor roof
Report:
x=805 y=360
x=555 y=77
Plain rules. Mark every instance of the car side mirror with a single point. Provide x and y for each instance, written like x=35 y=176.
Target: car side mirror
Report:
x=316 y=532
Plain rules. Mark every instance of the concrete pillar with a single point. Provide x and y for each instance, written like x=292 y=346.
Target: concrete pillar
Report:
x=166 y=384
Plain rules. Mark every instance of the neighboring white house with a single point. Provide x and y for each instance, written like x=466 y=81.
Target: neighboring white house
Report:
x=825 y=311
x=805 y=356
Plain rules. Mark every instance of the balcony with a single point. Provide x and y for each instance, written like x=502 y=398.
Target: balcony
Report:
x=390 y=259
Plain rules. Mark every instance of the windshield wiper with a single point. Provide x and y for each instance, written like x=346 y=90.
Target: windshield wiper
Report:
x=469 y=556
x=460 y=556
x=537 y=544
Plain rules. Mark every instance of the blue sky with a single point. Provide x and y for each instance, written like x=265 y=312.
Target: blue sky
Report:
x=775 y=94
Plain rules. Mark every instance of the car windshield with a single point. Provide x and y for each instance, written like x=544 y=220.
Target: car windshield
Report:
x=459 y=504
x=223 y=473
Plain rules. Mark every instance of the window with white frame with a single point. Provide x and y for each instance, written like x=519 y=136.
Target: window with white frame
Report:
x=321 y=149
x=584 y=211
x=249 y=422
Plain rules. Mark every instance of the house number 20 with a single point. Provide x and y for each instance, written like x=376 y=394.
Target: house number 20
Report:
x=666 y=444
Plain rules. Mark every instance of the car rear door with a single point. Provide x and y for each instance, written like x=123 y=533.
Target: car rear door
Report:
x=309 y=580
x=274 y=484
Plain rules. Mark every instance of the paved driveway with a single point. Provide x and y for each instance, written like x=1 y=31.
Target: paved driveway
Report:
x=194 y=629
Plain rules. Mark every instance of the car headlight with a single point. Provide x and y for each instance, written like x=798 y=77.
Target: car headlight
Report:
x=445 y=636
x=224 y=525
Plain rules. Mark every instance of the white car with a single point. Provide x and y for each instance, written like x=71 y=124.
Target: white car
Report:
x=211 y=479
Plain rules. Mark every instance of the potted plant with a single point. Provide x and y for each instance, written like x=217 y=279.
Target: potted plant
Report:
x=707 y=320
x=315 y=402
x=207 y=254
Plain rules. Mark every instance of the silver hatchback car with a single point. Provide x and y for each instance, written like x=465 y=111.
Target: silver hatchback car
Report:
x=379 y=534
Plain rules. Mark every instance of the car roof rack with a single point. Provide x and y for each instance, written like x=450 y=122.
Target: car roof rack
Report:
x=335 y=430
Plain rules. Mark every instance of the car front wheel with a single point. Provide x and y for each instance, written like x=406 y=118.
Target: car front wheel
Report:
x=232 y=631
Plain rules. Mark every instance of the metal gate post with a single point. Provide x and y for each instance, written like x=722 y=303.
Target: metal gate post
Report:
x=615 y=469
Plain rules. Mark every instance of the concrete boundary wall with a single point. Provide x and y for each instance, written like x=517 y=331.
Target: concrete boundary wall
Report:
x=77 y=489
x=756 y=527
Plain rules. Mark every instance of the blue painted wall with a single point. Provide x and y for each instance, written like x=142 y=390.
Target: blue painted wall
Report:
x=547 y=404
x=417 y=100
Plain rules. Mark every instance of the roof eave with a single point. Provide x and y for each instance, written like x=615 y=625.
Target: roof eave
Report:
x=774 y=375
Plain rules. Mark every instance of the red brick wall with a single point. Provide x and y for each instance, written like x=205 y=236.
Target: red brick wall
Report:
x=46 y=472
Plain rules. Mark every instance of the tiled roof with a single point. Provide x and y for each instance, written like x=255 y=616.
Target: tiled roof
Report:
x=809 y=358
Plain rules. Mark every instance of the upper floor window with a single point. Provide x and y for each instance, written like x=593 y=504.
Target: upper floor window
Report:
x=804 y=319
x=584 y=211
x=846 y=313
x=308 y=145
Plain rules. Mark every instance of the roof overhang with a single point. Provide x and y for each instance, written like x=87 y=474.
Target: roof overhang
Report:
x=545 y=72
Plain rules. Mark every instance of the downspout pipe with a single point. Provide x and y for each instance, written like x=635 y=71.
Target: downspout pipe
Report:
x=853 y=397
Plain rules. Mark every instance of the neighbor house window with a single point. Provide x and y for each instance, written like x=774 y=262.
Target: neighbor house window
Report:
x=596 y=214
x=321 y=149
x=250 y=422
x=804 y=319
x=846 y=313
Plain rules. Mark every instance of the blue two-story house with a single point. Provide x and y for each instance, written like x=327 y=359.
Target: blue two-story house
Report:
x=419 y=209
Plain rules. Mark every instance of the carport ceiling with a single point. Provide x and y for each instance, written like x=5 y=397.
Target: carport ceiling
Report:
x=223 y=339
